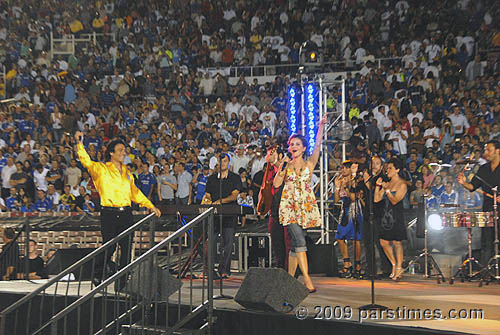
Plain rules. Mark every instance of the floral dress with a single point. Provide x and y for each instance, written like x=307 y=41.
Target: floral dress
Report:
x=298 y=202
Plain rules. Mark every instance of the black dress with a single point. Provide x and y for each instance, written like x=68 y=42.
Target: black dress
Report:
x=392 y=224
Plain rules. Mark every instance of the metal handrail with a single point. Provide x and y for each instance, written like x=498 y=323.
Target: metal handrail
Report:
x=207 y=214
x=70 y=269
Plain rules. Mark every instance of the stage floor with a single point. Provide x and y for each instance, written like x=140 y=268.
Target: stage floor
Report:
x=340 y=298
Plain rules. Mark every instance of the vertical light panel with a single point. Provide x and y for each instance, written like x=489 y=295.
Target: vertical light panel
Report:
x=311 y=115
x=293 y=110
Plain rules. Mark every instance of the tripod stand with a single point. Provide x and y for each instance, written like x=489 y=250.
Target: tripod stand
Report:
x=462 y=270
x=426 y=255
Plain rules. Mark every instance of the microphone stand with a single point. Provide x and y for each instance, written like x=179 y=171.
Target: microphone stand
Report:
x=372 y=305
x=221 y=295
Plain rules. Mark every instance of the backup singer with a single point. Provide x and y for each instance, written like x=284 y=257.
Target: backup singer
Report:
x=351 y=217
x=117 y=191
x=392 y=223
x=298 y=207
x=487 y=174
x=269 y=200
x=230 y=184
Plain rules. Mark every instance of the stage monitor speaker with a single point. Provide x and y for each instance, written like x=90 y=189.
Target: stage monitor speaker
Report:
x=322 y=258
x=270 y=289
x=152 y=282
x=64 y=258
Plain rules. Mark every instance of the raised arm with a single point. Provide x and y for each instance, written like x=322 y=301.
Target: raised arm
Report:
x=319 y=141
x=84 y=157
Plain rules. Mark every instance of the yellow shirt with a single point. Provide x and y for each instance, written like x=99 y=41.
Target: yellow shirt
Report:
x=114 y=189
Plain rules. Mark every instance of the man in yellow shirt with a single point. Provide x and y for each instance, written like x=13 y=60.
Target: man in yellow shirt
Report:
x=117 y=191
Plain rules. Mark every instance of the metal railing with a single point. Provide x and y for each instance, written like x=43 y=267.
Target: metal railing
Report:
x=12 y=266
x=276 y=69
x=45 y=301
x=67 y=44
x=135 y=299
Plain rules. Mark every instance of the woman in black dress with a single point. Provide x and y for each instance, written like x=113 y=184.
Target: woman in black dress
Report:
x=391 y=194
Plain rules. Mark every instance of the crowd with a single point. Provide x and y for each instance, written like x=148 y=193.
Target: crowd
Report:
x=435 y=101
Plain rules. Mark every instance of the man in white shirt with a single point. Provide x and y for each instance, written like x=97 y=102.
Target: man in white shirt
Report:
x=431 y=133
x=7 y=171
x=240 y=160
x=247 y=111
x=232 y=107
x=39 y=177
x=269 y=120
x=383 y=122
x=399 y=138
x=459 y=121
x=415 y=114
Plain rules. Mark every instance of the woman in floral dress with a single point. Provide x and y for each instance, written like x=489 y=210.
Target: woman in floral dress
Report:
x=298 y=208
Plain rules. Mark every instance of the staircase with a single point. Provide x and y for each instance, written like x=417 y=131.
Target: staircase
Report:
x=141 y=298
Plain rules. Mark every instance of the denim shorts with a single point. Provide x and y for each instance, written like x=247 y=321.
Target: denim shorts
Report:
x=298 y=238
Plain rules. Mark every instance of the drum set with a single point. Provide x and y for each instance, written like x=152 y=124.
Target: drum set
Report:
x=468 y=220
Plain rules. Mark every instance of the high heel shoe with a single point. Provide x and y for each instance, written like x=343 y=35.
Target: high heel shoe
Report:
x=312 y=290
x=347 y=273
x=398 y=275
x=393 y=273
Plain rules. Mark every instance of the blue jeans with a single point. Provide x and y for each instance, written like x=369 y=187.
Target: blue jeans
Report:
x=298 y=239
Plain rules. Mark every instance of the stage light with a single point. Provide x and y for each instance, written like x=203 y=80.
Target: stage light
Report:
x=293 y=110
x=312 y=56
x=435 y=222
x=311 y=111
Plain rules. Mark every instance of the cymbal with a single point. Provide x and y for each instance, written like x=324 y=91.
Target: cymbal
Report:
x=466 y=161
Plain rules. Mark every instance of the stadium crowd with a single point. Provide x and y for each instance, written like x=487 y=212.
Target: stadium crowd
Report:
x=435 y=97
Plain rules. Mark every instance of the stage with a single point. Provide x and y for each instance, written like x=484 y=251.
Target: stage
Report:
x=339 y=300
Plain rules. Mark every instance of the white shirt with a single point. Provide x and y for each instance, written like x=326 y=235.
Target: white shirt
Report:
x=360 y=53
x=238 y=162
x=40 y=181
x=7 y=171
x=257 y=165
x=382 y=122
x=431 y=132
x=412 y=116
x=232 y=109
x=398 y=142
x=246 y=112
x=459 y=122
x=269 y=121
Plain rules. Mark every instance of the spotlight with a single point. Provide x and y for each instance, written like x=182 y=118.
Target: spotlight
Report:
x=435 y=222
x=312 y=56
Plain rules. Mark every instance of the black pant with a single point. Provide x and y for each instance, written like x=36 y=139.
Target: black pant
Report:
x=226 y=247
x=182 y=201
x=385 y=264
x=487 y=241
x=113 y=222
x=277 y=232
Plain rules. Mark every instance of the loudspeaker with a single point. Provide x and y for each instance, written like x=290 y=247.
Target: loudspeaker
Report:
x=152 y=282
x=64 y=258
x=321 y=258
x=270 y=289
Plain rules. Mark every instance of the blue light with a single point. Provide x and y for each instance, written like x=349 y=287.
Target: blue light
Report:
x=311 y=117
x=293 y=110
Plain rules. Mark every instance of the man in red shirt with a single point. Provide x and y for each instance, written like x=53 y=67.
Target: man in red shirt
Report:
x=269 y=200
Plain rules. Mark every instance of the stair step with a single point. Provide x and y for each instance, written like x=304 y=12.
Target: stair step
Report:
x=157 y=330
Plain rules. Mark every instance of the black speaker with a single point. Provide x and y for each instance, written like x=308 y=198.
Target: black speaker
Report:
x=321 y=258
x=64 y=258
x=152 y=282
x=270 y=289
